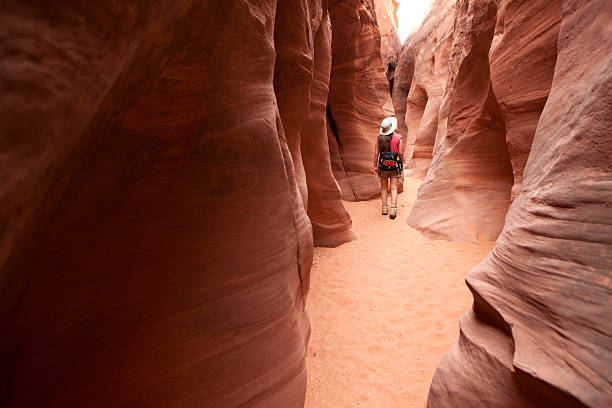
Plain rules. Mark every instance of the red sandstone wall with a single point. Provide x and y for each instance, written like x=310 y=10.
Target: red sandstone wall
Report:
x=420 y=84
x=390 y=44
x=467 y=189
x=359 y=97
x=155 y=247
x=479 y=130
x=331 y=223
x=301 y=84
x=293 y=74
x=540 y=333
x=522 y=66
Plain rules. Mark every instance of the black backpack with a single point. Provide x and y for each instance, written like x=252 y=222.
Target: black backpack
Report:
x=389 y=161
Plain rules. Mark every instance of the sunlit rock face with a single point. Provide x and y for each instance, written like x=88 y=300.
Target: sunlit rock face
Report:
x=390 y=44
x=474 y=101
x=420 y=83
x=359 y=97
x=155 y=246
x=539 y=333
x=467 y=189
x=522 y=61
x=522 y=116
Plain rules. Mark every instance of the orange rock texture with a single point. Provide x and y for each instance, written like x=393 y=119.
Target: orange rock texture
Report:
x=474 y=102
x=539 y=333
x=523 y=117
x=419 y=85
x=359 y=97
x=301 y=83
x=522 y=61
x=164 y=167
x=390 y=44
x=466 y=192
x=160 y=255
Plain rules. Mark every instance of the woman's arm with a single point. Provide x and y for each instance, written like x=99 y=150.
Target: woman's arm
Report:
x=401 y=148
x=376 y=155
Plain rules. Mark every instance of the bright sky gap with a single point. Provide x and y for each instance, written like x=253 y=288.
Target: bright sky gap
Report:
x=410 y=14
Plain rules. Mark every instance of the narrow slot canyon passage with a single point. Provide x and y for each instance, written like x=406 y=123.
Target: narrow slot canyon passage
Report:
x=384 y=310
x=190 y=211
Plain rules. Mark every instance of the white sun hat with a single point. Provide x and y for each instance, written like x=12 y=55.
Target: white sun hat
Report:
x=388 y=126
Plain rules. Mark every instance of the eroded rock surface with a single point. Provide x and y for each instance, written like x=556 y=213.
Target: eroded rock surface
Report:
x=474 y=107
x=331 y=224
x=359 y=97
x=540 y=333
x=301 y=84
x=467 y=189
x=155 y=246
x=420 y=84
x=390 y=44
x=522 y=61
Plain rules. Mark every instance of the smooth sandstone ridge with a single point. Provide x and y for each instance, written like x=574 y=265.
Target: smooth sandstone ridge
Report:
x=466 y=192
x=359 y=97
x=419 y=85
x=473 y=107
x=166 y=171
x=301 y=83
x=528 y=78
x=390 y=44
x=148 y=270
x=522 y=62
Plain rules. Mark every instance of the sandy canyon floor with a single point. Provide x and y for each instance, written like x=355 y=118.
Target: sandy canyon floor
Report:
x=384 y=309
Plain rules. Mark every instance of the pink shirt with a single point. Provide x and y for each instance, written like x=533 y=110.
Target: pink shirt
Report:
x=395 y=141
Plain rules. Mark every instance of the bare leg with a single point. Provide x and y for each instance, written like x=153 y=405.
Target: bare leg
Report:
x=394 y=184
x=384 y=181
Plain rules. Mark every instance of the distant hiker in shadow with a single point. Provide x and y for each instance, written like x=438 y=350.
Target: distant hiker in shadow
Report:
x=388 y=163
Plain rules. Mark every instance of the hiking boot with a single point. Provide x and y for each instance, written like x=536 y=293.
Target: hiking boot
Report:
x=385 y=209
x=393 y=213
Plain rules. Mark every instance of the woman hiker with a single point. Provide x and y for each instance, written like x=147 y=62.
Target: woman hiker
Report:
x=388 y=163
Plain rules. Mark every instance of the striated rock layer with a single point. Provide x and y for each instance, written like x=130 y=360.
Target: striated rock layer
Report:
x=301 y=83
x=390 y=44
x=500 y=68
x=359 y=97
x=420 y=83
x=157 y=163
x=522 y=61
x=539 y=333
x=467 y=189
x=331 y=223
